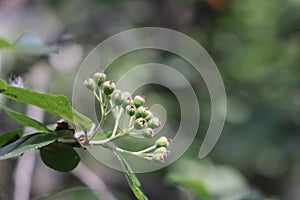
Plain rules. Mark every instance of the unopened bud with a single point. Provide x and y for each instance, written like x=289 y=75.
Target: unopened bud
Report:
x=159 y=157
x=162 y=142
x=154 y=123
x=99 y=77
x=138 y=101
x=140 y=123
x=148 y=133
x=89 y=83
x=108 y=87
x=130 y=109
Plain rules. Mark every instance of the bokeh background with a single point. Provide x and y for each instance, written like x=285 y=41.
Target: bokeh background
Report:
x=256 y=46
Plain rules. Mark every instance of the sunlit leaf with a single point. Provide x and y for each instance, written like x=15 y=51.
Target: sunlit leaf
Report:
x=26 y=143
x=69 y=193
x=132 y=179
x=60 y=157
x=3 y=85
x=4 y=44
x=57 y=104
x=24 y=120
x=10 y=136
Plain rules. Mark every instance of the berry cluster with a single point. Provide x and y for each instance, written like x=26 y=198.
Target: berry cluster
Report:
x=140 y=121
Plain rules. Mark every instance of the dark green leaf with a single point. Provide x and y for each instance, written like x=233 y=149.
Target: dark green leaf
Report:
x=26 y=143
x=24 y=120
x=68 y=192
x=57 y=104
x=33 y=44
x=10 y=136
x=3 y=85
x=60 y=157
x=132 y=179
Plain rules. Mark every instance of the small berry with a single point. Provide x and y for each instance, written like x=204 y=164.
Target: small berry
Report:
x=149 y=115
x=138 y=101
x=130 y=109
x=154 y=122
x=148 y=133
x=89 y=83
x=162 y=142
x=162 y=150
x=108 y=87
x=141 y=112
x=159 y=157
x=140 y=123
x=117 y=97
x=99 y=78
x=127 y=101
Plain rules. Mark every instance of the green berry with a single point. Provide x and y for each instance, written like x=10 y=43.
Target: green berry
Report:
x=126 y=102
x=141 y=112
x=162 y=150
x=130 y=109
x=154 y=122
x=89 y=83
x=148 y=133
x=149 y=115
x=99 y=78
x=138 y=101
x=159 y=157
x=108 y=87
x=162 y=142
x=117 y=97
x=140 y=123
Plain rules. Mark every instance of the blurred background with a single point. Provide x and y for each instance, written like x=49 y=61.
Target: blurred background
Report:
x=256 y=46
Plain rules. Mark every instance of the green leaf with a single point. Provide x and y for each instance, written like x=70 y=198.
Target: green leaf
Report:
x=3 y=85
x=26 y=143
x=57 y=104
x=10 y=136
x=24 y=120
x=33 y=44
x=4 y=44
x=68 y=192
x=194 y=185
x=60 y=157
x=132 y=179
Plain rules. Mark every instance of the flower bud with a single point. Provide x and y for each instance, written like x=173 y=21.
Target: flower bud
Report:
x=141 y=112
x=108 y=87
x=140 y=123
x=138 y=101
x=127 y=101
x=89 y=83
x=99 y=78
x=117 y=97
x=159 y=157
x=149 y=115
x=130 y=109
x=162 y=150
x=154 y=122
x=162 y=142
x=148 y=133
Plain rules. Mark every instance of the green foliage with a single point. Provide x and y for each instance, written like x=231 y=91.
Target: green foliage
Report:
x=24 y=120
x=26 y=143
x=132 y=179
x=57 y=104
x=3 y=85
x=10 y=136
x=60 y=157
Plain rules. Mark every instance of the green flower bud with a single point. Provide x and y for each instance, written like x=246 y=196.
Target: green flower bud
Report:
x=108 y=87
x=89 y=83
x=127 y=101
x=154 y=122
x=138 y=101
x=159 y=157
x=130 y=109
x=162 y=150
x=149 y=115
x=99 y=78
x=141 y=112
x=162 y=142
x=148 y=133
x=140 y=123
x=117 y=97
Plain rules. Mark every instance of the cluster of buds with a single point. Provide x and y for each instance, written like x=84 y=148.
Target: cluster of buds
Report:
x=141 y=121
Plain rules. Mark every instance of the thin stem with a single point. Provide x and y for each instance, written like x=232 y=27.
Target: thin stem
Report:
x=135 y=153
x=117 y=123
